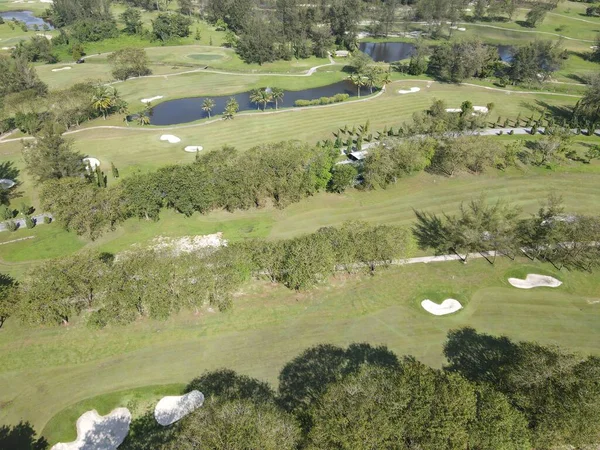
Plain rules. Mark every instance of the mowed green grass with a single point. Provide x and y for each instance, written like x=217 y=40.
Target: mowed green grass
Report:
x=44 y=371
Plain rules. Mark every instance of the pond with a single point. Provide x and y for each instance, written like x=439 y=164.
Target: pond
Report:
x=189 y=109
x=397 y=51
x=27 y=17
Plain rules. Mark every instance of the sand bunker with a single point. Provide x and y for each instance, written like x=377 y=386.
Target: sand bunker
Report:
x=5 y=183
x=448 y=306
x=170 y=138
x=188 y=244
x=481 y=109
x=453 y=110
x=173 y=408
x=151 y=99
x=193 y=148
x=91 y=162
x=62 y=68
x=409 y=91
x=534 y=280
x=96 y=432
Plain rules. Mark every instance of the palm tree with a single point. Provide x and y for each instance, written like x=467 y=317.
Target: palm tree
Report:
x=358 y=80
x=277 y=94
x=265 y=97
x=231 y=108
x=207 y=106
x=256 y=97
x=143 y=119
x=385 y=80
x=102 y=100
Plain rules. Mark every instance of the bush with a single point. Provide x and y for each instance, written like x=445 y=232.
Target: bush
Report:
x=30 y=222
x=323 y=100
x=11 y=225
x=47 y=220
x=6 y=213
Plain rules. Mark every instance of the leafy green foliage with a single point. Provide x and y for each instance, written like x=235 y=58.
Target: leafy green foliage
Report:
x=129 y=62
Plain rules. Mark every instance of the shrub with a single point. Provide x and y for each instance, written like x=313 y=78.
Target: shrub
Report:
x=6 y=213
x=47 y=220
x=323 y=100
x=11 y=225
x=29 y=222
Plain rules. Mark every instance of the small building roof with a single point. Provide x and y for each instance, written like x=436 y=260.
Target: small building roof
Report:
x=358 y=156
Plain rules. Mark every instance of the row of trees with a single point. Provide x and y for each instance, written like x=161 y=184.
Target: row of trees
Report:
x=493 y=394
x=457 y=61
x=157 y=283
x=565 y=240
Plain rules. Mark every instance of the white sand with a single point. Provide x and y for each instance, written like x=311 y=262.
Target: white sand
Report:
x=534 y=280
x=448 y=306
x=193 y=148
x=151 y=99
x=96 y=432
x=481 y=109
x=173 y=408
x=461 y=29
x=5 y=183
x=409 y=91
x=7 y=48
x=92 y=162
x=170 y=138
x=188 y=244
x=47 y=36
x=62 y=68
x=453 y=110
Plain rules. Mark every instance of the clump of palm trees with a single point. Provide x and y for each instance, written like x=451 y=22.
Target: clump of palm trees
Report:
x=107 y=100
x=265 y=96
x=370 y=76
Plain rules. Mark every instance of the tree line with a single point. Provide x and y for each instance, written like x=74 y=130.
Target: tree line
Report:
x=493 y=393
x=158 y=282
x=564 y=240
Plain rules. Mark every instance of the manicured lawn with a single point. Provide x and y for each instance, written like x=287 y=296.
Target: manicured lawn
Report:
x=269 y=325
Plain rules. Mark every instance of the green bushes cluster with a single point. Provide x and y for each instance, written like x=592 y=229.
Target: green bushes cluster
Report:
x=337 y=98
x=158 y=282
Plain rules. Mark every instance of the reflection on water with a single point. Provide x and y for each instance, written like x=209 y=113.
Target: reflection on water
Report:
x=25 y=16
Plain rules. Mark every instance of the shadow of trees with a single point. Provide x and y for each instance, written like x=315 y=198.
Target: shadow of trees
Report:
x=229 y=385
x=479 y=357
x=21 y=437
x=146 y=433
x=306 y=377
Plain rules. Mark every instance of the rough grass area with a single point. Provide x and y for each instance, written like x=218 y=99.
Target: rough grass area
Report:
x=269 y=325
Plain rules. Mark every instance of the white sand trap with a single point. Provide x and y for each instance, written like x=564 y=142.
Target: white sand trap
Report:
x=62 y=68
x=481 y=109
x=170 y=138
x=91 y=162
x=47 y=36
x=96 y=432
x=448 y=306
x=193 y=148
x=409 y=91
x=461 y=29
x=5 y=183
x=7 y=48
x=453 y=110
x=151 y=99
x=533 y=280
x=173 y=408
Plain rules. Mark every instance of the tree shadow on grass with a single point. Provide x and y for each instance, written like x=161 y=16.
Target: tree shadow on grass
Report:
x=304 y=379
x=21 y=437
x=557 y=111
x=479 y=357
x=228 y=385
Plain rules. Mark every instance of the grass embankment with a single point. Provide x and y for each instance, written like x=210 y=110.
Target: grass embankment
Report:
x=269 y=325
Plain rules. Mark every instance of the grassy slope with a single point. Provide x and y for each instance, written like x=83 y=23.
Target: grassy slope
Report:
x=269 y=325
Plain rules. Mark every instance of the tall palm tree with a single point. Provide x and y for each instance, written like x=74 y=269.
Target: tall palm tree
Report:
x=207 y=106
x=231 y=109
x=358 y=80
x=256 y=97
x=385 y=80
x=102 y=100
x=265 y=97
x=277 y=94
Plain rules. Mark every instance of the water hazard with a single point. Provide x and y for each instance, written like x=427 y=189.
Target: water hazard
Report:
x=27 y=17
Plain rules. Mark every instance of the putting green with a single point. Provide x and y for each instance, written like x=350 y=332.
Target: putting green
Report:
x=205 y=56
